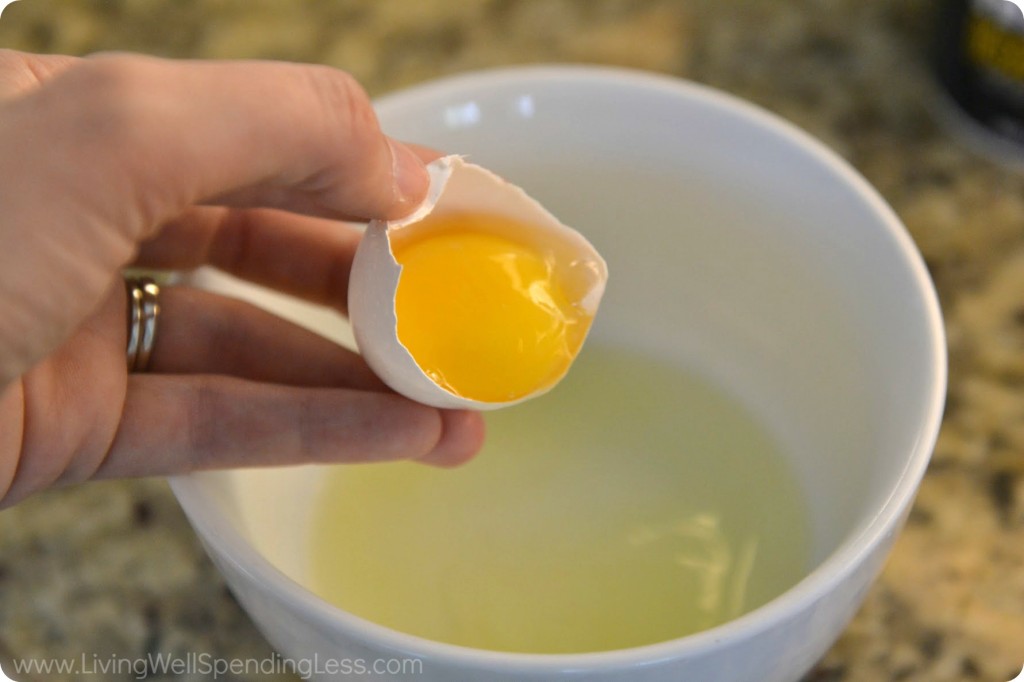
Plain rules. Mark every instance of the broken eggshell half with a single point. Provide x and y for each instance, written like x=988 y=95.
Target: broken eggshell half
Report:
x=457 y=186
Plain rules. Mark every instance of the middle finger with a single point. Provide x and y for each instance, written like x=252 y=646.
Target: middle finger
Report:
x=204 y=333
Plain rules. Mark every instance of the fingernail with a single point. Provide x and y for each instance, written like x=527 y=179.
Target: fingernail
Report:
x=410 y=174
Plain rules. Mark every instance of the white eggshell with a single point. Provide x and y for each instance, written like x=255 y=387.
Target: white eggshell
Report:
x=456 y=186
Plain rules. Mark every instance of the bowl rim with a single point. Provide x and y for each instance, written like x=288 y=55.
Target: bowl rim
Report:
x=843 y=561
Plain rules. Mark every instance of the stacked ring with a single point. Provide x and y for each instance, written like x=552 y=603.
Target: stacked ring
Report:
x=143 y=311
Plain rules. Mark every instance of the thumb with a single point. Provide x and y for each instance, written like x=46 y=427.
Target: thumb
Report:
x=175 y=133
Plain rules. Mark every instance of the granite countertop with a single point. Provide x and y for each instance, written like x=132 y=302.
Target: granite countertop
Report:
x=113 y=568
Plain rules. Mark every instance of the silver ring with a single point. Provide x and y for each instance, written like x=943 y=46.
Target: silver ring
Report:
x=143 y=311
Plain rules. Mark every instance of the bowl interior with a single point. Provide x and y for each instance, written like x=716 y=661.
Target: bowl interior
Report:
x=736 y=246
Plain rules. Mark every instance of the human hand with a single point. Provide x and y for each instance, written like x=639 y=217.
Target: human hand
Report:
x=115 y=160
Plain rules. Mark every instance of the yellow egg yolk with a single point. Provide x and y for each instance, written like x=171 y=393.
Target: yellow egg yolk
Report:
x=483 y=313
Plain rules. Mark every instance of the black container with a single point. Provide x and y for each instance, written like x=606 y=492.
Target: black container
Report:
x=978 y=55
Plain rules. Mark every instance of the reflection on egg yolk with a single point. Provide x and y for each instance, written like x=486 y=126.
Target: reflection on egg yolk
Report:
x=482 y=313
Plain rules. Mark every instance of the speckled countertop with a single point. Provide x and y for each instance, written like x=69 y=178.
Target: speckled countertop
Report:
x=113 y=568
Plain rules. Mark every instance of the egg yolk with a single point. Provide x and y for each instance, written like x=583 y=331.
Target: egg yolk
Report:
x=483 y=314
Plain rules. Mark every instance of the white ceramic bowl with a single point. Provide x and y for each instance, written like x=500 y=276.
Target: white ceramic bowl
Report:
x=735 y=242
